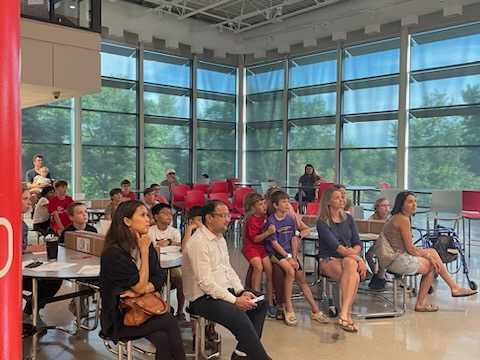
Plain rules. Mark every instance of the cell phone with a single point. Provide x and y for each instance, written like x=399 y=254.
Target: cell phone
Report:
x=258 y=298
x=34 y=264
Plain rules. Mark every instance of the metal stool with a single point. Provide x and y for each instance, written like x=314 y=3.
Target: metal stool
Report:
x=200 y=352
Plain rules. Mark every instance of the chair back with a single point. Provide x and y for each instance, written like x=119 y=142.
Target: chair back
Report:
x=179 y=192
x=447 y=201
x=218 y=187
x=471 y=200
x=322 y=187
x=231 y=184
x=201 y=187
x=313 y=208
x=194 y=198
x=224 y=197
x=239 y=199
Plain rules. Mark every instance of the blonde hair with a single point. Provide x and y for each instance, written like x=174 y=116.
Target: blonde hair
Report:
x=44 y=168
x=325 y=215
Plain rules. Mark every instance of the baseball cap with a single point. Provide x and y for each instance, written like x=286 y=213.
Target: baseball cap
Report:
x=170 y=171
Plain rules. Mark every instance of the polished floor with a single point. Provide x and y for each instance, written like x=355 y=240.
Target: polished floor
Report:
x=452 y=333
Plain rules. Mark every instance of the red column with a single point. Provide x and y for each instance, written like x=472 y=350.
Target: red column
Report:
x=10 y=161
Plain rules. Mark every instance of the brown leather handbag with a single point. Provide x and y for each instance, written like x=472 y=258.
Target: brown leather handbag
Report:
x=140 y=309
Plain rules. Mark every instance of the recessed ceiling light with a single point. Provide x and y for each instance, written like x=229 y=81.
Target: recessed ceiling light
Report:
x=72 y=7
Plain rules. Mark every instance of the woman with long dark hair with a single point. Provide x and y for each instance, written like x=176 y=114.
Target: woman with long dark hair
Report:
x=129 y=267
x=415 y=260
x=306 y=184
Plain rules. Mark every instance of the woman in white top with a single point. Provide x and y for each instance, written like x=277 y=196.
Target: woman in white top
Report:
x=41 y=217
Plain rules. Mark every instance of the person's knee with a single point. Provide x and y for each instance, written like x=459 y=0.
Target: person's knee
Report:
x=349 y=264
x=257 y=267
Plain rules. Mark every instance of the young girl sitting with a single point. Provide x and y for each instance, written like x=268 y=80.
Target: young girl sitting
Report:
x=253 y=248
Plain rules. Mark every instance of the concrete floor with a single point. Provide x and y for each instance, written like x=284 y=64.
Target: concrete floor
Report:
x=452 y=333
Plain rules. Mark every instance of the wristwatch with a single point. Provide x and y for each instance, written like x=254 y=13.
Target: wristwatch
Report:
x=289 y=256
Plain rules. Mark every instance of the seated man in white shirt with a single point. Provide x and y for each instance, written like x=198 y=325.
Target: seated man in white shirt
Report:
x=214 y=289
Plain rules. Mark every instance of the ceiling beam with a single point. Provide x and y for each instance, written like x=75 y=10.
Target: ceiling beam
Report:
x=288 y=15
x=205 y=8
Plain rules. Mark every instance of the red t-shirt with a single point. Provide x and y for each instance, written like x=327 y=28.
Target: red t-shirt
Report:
x=253 y=227
x=130 y=195
x=60 y=206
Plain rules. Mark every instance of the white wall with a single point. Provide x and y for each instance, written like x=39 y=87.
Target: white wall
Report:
x=57 y=58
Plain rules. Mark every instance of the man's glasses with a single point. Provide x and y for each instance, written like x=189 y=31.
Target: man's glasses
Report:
x=225 y=216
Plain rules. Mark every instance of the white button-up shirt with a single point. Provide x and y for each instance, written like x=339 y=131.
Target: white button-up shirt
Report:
x=206 y=268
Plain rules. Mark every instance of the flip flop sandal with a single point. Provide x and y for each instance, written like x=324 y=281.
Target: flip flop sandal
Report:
x=464 y=292
x=427 y=308
x=347 y=326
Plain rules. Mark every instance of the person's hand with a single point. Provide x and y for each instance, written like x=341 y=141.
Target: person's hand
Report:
x=436 y=263
x=271 y=229
x=362 y=269
x=143 y=242
x=163 y=242
x=294 y=263
x=244 y=302
x=129 y=294
x=249 y=294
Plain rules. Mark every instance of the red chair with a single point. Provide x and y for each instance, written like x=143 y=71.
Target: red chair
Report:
x=194 y=198
x=239 y=199
x=218 y=187
x=322 y=187
x=221 y=197
x=231 y=184
x=201 y=187
x=179 y=192
x=470 y=211
x=312 y=208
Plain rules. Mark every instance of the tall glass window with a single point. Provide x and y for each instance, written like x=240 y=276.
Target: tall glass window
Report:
x=311 y=115
x=109 y=125
x=444 y=122
x=167 y=100
x=46 y=130
x=216 y=114
x=370 y=89
x=264 y=119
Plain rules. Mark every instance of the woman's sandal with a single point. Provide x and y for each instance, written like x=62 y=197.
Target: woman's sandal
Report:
x=348 y=326
x=464 y=292
x=427 y=308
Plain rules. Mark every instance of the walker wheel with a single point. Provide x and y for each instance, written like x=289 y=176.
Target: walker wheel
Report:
x=473 y=285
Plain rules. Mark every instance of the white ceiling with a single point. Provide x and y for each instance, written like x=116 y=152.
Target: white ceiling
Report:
x=236 y=15
x=255 y=26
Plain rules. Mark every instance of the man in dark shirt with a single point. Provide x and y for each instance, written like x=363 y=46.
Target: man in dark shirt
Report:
x=77 y=212
x=30 y=175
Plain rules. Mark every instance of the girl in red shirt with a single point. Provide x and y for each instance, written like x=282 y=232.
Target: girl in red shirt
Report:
x=253 y=247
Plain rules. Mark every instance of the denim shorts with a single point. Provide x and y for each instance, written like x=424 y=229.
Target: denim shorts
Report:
x=405 y=264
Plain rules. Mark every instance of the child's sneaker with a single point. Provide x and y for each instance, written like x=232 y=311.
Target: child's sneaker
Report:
x=320 y=317
x=272 y=311
x=280 y=315
x=290 y=318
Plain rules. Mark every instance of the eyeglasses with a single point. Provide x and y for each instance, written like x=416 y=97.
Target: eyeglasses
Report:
x=225 y=216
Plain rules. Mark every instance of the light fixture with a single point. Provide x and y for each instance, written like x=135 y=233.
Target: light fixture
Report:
x=73 y=7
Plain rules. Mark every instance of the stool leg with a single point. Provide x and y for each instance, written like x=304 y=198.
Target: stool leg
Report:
x=202 y=338
x=197 y=339
x=129 y=351
x=395 y=284
x=120 y=351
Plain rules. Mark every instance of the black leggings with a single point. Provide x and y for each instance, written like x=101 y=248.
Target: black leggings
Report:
x=163 y=332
